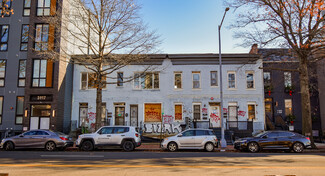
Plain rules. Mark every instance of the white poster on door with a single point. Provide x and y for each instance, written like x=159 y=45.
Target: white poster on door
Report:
x=34 y=123
x=45 y=123
x=214 y=115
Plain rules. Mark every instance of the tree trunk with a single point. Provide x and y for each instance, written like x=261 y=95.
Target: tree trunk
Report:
x=98 y=108
x=305 y=100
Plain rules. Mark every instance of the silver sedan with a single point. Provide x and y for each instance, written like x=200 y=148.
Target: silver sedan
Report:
x=47 y=139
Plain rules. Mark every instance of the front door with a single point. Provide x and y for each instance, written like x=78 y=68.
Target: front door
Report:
x=134 y=115
x=214 y=114
x=119 y=115
x=34 y=121
x=39 y=123
x=269 y=109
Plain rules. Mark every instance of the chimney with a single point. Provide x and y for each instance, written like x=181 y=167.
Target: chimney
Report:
x=254 y=49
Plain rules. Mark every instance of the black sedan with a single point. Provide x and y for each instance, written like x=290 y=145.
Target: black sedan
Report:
x=284 y=140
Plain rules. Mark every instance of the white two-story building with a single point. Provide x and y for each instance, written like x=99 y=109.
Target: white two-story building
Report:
x=182 y=91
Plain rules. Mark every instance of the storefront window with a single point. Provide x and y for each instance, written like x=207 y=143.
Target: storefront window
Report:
x=41 y=111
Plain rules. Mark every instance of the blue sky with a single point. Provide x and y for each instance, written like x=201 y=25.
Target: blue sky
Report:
x=190 y=26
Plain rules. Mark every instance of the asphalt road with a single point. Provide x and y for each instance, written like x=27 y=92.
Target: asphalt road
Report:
x=160 y=163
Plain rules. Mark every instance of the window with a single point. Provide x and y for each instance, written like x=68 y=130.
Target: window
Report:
x=288 y=106
x=147 y=81
x=88 y=81
x=26 y=11
x=106 y=130
x=178 y=112
x=152 y=112
x=43 y=133
x=5 y=7
x=43 y=7
x=42 y=73
x=249 y=80
x=118 y=130
x=4 y=31
x=1 y=106
x=22 y=73
x=178 y=80
x=24 y=37
x=42 y=37
x=251 y=111
x=231 y=80
x=287 y=79
x=197 y=111
x=120 y=79
x=267 y=78
x=196 y=80
x=2 y=72
x=214 y=78
x=188 y=133
x=19 y=110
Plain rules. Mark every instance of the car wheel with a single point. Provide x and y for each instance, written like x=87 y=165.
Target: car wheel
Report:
x=128 y=146
x=50 y=146
x=9 y=146
x=209 y=147
x=253 y=147
x=172 y=147
x=87 y=146
x=298 y=147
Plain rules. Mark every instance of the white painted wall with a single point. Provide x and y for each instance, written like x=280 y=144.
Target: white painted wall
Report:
x=168 y=96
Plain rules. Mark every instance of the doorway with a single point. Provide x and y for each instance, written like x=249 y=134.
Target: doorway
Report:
x=134 y=115
x=214 y=114
x=269 y=109
x=40 y=117
x=119 y=113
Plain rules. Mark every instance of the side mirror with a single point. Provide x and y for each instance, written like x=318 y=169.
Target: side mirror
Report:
x=180 y=135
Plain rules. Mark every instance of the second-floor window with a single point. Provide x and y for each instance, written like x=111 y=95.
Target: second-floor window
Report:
x=4 y=37
x=149 y=80
x=214 y=78
x=287 y=79
x=177 y=80
x=24 y=37
x=231 y=80
x=120 y=79
x=5 y=7
x=250 y=80
x=267 y=78
x=88 y=81
x=42 y=73
x=43 y=7
x=22 y=73
x=196 y=78
x=2 y=72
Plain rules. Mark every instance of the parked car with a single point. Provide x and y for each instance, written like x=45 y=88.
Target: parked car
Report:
x=124 y=136
x=191 y=139
x=47 y=139
x=284 y=140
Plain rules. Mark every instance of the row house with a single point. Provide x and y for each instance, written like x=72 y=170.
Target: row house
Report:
x=182 y=91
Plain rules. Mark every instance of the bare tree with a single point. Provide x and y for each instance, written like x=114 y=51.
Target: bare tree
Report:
x=296 y=24
x=106 y=35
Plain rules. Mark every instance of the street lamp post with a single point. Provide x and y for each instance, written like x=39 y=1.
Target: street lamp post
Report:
x=223 y=142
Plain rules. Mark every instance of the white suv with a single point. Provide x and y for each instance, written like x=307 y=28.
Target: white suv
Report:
x=124 y=136
x=191 y=139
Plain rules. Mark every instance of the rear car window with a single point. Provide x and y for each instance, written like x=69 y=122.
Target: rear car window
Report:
x=118 y=130
x=202 y=133
x=285 y=134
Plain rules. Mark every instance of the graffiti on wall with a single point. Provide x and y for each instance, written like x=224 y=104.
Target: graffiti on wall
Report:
x=214 y=118
x=91 y=120
x=241 y=113
x=167 y=119
x=170 y=128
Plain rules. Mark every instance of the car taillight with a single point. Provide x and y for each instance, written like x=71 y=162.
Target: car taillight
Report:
x=308 y=138
x=136 y=135
x=63 y=138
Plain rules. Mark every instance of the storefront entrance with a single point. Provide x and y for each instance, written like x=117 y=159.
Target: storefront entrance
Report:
x=40 y=117
x=214 y=114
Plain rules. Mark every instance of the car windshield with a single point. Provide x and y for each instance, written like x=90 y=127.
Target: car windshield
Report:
x=260 y=134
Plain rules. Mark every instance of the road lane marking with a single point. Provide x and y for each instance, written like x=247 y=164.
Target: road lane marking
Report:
x=74 y=156
x=160 y=166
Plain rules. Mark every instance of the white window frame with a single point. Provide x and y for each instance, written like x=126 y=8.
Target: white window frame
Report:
x=87 y=88
x=175 y=80
x=231 y=72
x=284 y=78
x=153 y=81
x=200 y=110
x=250 y=72
x=285 y=107
x=196 y=72
x=216 y=78
x=175 y=112
x=251 y=103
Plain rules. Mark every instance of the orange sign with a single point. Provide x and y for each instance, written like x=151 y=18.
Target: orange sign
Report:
x=178 y=112
x=152 y=112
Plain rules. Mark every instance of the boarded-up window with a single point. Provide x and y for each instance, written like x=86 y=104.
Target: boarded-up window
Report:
x=178 y=112
x=152 y=112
